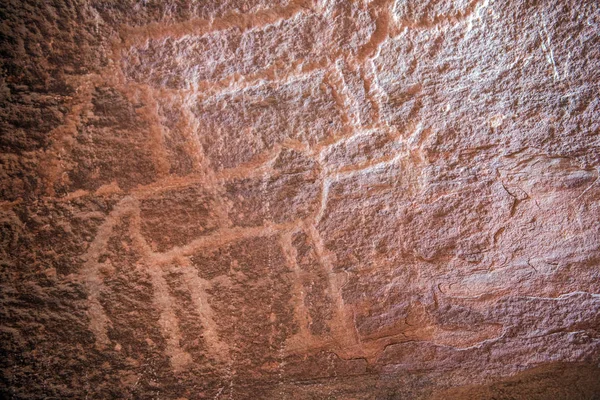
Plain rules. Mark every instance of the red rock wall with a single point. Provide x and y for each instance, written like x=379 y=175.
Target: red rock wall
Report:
x=307 y=199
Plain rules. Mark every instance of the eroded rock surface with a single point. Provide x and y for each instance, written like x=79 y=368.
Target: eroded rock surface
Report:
x=307 y=199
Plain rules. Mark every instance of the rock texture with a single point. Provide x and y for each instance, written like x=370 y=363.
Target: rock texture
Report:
x=307 y=199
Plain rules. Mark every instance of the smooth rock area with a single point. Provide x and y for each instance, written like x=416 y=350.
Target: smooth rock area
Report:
x=300 y=199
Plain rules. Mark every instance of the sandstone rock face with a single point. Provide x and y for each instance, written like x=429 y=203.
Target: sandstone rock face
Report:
x=303 y=199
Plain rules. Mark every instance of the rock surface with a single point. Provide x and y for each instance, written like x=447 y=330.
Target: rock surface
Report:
x=307 y=199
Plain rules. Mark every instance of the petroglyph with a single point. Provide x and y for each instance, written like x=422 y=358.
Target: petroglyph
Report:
x=299 y=199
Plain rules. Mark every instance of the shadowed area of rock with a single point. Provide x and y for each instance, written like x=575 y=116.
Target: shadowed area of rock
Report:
x=300 y=199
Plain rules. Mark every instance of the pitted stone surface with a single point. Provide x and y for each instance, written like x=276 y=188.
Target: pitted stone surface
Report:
x=300 y=199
